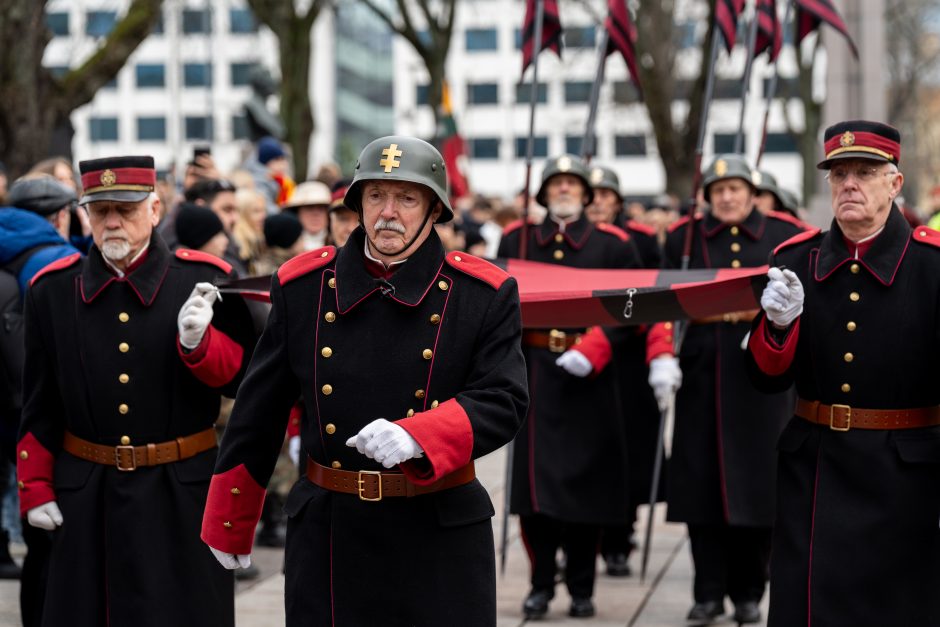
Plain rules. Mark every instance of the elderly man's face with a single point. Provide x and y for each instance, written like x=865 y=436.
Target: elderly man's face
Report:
x=605 y=206
x=121 y=229
x=565 y=196
x=731 y=200
x=393 y=212
x=862 y=193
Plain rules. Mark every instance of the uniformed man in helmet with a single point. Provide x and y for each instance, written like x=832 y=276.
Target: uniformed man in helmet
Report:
x=570 y=464
x=409 y=366
x=721 y=471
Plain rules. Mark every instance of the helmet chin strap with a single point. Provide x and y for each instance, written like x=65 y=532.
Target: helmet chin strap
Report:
x=427 y=216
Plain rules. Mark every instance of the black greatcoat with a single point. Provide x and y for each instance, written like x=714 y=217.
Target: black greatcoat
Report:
x=434 y=348
x=570 y=459
x=128 y=552
x=721 y=470
x=856 y=541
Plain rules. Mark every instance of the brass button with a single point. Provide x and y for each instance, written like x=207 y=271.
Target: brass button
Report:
x=668 y=326
x=123 y=317
x=846 y=388
x=125 y=440
x=434 y=404
x=123 y=378
x=330 y=316
x=668 y=338
x=457 y=258
x=419 y=393
x=236 y=491
x=326 y=351
x=434 y=319
x=442 y=285
x=227 y=524
x=330 y=429
x=558 y=254
x=409 y=413
x=851 y=326
x=336 y=465
x=24 y=455
x=735 y=247
x=124 y=347
x=735 y=264
x=427 y=353
x=21 y=485
x=184 y=254
x=331 y=282
x=849 y=357
x=327 y=389
x=559 y=238
x=325 y=253
x=854 y=296
x=854 y=268
x=123 y=408
x=735 y=230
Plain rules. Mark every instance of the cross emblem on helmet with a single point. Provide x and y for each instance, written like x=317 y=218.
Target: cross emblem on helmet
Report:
x=389 y=155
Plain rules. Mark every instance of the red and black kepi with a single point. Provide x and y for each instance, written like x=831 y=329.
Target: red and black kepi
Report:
x=121 y=179
x=861 y=139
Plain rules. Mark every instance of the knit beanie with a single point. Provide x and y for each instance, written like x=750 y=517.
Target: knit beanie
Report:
x=269 y=149
x=196 y=225
x=282 y=230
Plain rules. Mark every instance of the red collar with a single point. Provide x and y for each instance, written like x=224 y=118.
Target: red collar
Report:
x=857 y=251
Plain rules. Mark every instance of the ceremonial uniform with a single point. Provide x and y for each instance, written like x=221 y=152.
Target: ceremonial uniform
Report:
x=856 y=540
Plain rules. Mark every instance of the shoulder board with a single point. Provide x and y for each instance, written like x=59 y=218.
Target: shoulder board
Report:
x=639 y=227
x=927 y=235
x=610 y=229
x=186 y=254
x=304 y=263
x=57 y=265
x=477 y=268
x=516 y=225
x=783 y=216
x=683 y=220
x=798 y=238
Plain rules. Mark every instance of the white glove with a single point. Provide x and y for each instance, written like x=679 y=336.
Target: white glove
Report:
x=196 y=314
x=47 y=516
x=575 y=363
x=386 y=443
x=665 y=379
x=293 y=449
x=783 y=297
x=231 y=561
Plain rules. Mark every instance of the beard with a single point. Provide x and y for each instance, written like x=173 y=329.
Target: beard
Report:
x=565 y=208
x=115 y=250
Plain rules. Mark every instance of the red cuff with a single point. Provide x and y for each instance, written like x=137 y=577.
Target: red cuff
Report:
x=233 y=508
x=293 y=424
x=596 y=347
x=216 y=360
x=659 y=341
x=34 y=470
x=772 y=358
x=446 y=435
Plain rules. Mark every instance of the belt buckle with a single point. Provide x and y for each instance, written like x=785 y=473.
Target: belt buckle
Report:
x=557 y=341
x=117 y=458
x=848 y=417
x=360 y=482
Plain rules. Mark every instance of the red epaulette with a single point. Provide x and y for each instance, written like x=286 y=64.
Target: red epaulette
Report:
x=639 y=227
x=683 y=220
x=616 y=231
x=56 y=265
x=927 y=235
x=187 y=254
x=477 y=268
x=789 y=217
x=796 y=239
x=516 y=225
x=304 y=263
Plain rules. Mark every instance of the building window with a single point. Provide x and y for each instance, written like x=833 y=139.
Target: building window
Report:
x=582 y=37
x=103 y=129
x=241 y=73
x=484 y=148
x=58 y=24
x=421 y=94
x=780 y=143
x=197 y=74
x=625 y=92
x=99 y=23
x=573 y=144
x=158 y=25
x=524 y=93
x=242 y=21
x=196 y=21
x=151 y=129
x=685 y=34
x=198 y=127
x=482 y=93
x=478 y=39
x=58 y=71
x=240 y=127
x=728 y=89
x=539 y=147
x=630 y=145
x=786 y=88
x=577 y=91
x=111 y=84
x=151 y=75
x=724 y=143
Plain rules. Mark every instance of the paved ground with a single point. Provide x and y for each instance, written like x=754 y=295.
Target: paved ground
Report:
x=662 y=601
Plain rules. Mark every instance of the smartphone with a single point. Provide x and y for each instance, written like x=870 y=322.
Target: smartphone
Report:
x=198 y=151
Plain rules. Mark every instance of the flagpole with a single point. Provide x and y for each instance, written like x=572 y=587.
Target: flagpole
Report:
x=587 y=144
x=530 y=142
x=746 y=88
x=772 y=90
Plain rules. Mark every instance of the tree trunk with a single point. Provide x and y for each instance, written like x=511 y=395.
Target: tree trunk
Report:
x=296 y=111
x=435 y=67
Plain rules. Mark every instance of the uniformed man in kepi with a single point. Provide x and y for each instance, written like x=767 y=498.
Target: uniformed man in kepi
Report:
x=851 y=316
x=721 y=471
x=126 y=360
x=409 y=367
x=570 y=463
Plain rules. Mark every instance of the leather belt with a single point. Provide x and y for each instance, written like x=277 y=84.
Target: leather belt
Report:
x=844 y=417
x=127 y=458
x=733 y=317
x=373 y=485
x=556 y=341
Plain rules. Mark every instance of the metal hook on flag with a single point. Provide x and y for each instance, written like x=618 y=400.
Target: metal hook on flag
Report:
x=628 y=306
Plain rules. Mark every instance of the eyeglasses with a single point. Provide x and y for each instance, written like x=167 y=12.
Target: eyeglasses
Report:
x=862 y=173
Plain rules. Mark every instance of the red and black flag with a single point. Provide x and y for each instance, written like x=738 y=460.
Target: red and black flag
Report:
x=811 y=13
x=769 y=36
x=551 y=30
x=726 y=18
x=621 y=36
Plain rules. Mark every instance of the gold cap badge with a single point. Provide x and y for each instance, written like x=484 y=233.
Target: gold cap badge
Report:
x=108 y=178
x=564 y=163
x=597 y=176
x=847 y=139
x=389 y=155
x=721 y=167
x=757 y=178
